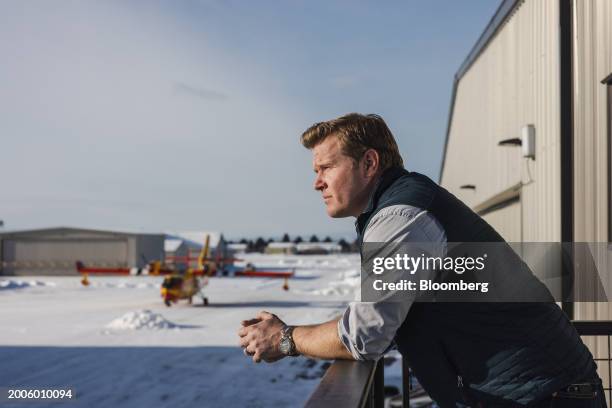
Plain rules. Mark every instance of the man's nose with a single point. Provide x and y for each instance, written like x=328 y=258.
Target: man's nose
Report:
x=319 y=184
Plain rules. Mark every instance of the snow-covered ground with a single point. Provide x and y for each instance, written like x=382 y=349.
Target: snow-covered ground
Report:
x=116 y=344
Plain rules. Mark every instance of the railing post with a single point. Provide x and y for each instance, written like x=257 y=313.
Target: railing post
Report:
x=378 y=388
x=376 y=394
x=406 y=386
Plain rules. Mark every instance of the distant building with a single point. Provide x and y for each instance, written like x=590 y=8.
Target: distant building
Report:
x=318 y=248
x=55 y=251
x=237 y=248
x=175 y=247
x=280 y=248
x=180 y=245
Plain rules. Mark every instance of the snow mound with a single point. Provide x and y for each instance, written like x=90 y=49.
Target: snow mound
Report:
x=19 y=284
x=327 y=263
x=335 y=289
x=127 y=285
x=349 y=284
x=350 y=274
x=141 y=319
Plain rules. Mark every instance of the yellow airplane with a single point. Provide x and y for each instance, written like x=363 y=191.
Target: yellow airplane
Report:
x=186 y=285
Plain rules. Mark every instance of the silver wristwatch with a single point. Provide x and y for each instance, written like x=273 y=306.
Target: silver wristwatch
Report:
x=287 y=345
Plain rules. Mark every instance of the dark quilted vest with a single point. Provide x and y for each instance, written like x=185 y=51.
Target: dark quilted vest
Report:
x=492 y=354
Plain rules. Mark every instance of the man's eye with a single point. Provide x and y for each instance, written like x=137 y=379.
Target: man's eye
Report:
x=322 y=169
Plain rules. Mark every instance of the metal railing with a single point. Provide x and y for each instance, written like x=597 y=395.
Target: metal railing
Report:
x=352 y=384
x=601 y=328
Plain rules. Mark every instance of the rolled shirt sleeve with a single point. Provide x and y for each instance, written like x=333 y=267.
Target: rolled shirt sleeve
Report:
x=367 y=329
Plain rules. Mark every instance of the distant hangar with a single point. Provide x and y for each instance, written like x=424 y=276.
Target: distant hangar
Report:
x=55 y=251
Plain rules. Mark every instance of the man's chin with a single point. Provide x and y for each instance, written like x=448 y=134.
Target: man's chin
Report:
x=336 y=213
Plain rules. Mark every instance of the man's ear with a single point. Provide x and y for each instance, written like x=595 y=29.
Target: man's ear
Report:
x=371 y=162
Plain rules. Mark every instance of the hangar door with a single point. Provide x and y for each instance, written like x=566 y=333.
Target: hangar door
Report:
x=59 y=256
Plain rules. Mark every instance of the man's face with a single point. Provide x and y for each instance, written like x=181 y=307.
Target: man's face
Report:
x=342 y=182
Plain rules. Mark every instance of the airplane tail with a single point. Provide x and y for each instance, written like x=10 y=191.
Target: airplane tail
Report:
x=204 y=252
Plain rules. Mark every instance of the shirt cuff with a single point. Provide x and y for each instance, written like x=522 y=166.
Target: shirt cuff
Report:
x=345 y=337
x=361 y=330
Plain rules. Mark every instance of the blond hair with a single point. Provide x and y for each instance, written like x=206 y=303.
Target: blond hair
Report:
x=357 y=133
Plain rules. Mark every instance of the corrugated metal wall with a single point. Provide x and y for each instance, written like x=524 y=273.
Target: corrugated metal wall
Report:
x=507 y=221
x=91 y=250
x=514 y=82
x=592 y=63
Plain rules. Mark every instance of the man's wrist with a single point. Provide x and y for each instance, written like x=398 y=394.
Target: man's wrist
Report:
x=287 y=344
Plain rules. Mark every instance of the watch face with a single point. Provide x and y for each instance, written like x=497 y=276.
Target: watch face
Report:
x=285 y=346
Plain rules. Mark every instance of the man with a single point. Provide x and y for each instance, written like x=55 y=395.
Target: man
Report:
x=464 y=354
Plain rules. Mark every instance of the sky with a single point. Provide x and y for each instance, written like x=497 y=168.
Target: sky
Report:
x=186 y=115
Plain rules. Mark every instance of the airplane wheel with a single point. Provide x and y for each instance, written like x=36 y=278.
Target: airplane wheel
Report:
x=205 y=301
x=168 y=303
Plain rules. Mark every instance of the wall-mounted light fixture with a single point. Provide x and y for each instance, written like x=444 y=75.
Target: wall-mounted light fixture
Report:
x=526 y=141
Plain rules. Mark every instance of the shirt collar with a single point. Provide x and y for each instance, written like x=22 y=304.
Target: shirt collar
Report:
x=382 y=184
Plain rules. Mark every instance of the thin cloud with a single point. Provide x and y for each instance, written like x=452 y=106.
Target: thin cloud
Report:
x=199 y=92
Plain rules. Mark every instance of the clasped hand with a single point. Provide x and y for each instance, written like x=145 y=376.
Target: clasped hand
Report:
x=260 y=337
